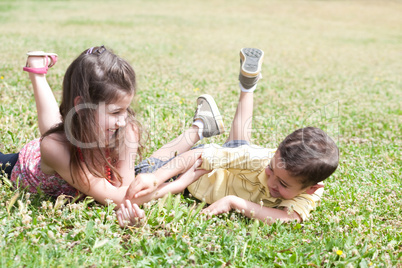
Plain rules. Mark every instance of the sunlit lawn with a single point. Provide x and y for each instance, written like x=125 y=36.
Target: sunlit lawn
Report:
x=332 y=64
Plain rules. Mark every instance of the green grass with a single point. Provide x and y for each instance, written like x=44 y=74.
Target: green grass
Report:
x=333 y=64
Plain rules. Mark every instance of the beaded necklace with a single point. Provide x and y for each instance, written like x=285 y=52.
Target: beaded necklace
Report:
x=107 y=168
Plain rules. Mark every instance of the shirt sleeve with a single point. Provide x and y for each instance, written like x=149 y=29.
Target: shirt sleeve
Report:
x=240 y=158
x=304 y=203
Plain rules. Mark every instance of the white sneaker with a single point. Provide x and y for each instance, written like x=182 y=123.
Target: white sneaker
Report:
x=208 y=112
x=250 y=66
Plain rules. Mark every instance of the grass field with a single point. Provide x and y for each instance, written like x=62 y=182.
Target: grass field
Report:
x=332 y=64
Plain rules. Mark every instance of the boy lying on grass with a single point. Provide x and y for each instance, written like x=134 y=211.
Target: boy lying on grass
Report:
x=266 y=184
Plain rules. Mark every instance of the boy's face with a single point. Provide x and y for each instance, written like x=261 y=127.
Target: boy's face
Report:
x=280 y=183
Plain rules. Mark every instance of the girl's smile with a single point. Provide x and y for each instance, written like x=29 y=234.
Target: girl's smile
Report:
x=113 y=116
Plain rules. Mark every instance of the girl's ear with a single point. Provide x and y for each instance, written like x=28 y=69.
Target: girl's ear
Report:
x=313 y=188
x=77 y=101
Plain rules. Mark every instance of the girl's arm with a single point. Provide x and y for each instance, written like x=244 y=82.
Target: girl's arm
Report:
x=55 y=158
x=147 y=183
x=130 y=214
x=127 y=155
x=251 y=210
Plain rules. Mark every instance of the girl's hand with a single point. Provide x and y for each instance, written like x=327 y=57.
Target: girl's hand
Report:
x=129 y=214
x=143 y=184
x=223 y=205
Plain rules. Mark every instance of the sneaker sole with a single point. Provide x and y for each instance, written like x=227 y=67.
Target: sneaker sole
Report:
x=215 y=111
x=251 y=61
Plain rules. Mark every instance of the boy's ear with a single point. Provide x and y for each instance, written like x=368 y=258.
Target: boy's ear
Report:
x=313 y=188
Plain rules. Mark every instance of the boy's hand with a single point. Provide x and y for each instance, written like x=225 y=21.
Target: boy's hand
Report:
x=221 y=206
x=129 y=214
x=143 y=184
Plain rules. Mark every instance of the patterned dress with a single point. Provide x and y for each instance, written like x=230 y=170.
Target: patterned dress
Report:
x=28 y=174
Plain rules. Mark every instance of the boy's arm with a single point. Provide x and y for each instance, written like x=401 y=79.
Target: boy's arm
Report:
x=251 y=210
x=147 y=183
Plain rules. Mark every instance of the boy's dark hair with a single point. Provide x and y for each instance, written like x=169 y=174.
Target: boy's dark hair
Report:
x=309 y=153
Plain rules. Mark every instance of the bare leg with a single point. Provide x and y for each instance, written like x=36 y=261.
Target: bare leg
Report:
x=250 y=68
x=207 y=122
x=46 y=105
x=179 y=145
x=242 y=123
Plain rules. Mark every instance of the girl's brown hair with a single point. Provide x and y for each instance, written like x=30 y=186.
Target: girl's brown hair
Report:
x=96 y=76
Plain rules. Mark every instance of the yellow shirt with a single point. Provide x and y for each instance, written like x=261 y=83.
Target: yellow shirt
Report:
x=240 y=171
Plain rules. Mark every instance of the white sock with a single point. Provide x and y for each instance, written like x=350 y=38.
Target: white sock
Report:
x=247 y=90
x=200 y=124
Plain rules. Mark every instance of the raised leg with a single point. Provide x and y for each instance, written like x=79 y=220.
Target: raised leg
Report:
x=207 y=122
x=179 y=145
x=46 y=105
x=242 y=123
x=250 y=72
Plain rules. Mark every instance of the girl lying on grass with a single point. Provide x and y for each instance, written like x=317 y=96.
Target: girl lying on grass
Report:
x=89 y=144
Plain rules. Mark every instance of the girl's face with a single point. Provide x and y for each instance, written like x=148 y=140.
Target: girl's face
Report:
x=112 y=116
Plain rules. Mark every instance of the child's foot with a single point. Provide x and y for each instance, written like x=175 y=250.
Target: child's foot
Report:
x=39 y=62
x=250 y=66
x=208 y=112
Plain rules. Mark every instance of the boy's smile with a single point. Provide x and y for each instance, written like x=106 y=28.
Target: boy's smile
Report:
x=280 y=183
